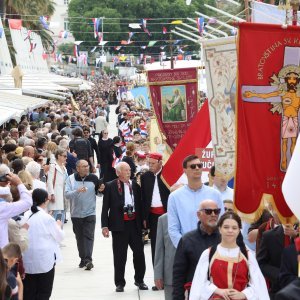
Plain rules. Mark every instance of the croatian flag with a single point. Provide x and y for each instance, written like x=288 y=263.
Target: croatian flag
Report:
x=76 y=50
x=97 y=23
x=200 y=25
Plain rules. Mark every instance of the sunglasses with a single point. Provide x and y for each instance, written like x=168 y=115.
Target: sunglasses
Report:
x=209 y=211
x=193 y=166
x=228 y=209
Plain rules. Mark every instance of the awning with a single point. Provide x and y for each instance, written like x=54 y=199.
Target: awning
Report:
x=17 y=105
x=46 y=94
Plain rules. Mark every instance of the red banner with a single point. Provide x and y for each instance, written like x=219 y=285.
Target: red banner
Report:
x=174 y=98
x=267 y=114
x=196 y=137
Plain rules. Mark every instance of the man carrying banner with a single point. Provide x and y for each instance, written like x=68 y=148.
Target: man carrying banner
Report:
x=184 y=202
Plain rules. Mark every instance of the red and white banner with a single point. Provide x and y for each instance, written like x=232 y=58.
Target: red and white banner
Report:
x=267 y=114
x=174 y=97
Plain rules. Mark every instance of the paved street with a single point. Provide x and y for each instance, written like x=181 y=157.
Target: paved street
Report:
x=72 y=283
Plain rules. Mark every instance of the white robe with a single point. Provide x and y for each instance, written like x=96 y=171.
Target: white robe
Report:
x=203 y=289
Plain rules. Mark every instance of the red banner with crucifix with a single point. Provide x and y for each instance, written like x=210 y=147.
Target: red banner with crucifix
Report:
x=175 y=100
x=267 y=115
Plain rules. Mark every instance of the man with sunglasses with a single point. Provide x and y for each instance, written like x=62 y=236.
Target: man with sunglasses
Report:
x=191 y=246
x=184 y=202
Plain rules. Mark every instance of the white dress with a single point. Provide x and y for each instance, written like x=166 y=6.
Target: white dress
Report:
x=203 y=289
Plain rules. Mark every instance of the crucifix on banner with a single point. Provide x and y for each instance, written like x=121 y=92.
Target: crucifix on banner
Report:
x=283 y=94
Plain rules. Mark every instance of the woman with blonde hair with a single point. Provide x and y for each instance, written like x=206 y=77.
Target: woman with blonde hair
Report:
x=50 y=150
x=27 y=179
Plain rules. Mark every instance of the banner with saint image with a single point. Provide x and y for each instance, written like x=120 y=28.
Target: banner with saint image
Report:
x=174 y=98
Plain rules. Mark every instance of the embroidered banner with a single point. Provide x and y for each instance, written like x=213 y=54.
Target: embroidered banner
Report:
x=220 y=67
x=174 y=97
x=267 y=120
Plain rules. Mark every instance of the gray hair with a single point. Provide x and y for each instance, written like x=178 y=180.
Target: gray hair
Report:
x=34 y=169
x=21 y=141
x=63 y=144
x=119 y=166
x=29 y=142
x=4 y=169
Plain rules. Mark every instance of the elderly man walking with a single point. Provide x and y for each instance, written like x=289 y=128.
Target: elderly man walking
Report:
x=81 y=190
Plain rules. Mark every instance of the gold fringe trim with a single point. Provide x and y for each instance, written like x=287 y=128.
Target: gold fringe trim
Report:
x=266 y=200
x=175 y=82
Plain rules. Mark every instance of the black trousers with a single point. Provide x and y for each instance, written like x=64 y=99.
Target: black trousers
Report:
x=120 y=241
x=84 y=229
x=38 y=286
x=153 y=220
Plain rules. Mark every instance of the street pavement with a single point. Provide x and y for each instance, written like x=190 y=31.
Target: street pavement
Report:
x=73 y=283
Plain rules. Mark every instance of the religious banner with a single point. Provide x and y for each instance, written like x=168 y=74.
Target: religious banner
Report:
x=267 y=120
x=174 y=97
x=221 y=67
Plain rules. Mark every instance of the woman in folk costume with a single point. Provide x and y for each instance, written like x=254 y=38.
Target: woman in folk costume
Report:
x=228 y=271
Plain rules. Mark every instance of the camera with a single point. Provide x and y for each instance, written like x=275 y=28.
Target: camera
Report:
x=129 y=210
x=3 y=178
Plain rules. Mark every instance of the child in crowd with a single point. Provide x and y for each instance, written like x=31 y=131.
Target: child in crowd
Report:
x=12 y=253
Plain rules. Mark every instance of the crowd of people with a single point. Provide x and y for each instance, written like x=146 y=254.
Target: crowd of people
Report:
x=59 y=158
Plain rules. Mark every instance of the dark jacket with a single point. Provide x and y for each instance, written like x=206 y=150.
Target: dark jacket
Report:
x=131 y=164
x=188 y=252
x=147 y=186
x=95 y=148
x=269 y=255
x=112 y=215
x=289 y=266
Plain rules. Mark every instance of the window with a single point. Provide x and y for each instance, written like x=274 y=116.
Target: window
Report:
x=66 y=24
x=66 y=2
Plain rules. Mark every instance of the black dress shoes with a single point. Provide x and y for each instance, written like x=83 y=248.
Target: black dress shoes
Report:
x=141 y=285
x=154 y=288
x=82 y=264
x=120 y=289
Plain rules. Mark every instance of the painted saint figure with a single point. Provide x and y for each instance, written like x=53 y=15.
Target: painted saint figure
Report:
x=290 y=102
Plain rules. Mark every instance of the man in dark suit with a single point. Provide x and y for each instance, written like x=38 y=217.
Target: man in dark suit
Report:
x=154 y=196
x=269 y=254
x=122 y=215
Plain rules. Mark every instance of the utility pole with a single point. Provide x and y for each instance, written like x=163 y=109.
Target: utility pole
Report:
x=171 y=50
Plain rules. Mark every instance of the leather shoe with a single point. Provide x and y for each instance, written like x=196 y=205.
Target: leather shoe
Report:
x=120 y=289
x=141 y=285
x=89 y=265
x=82 y=264
x=154 y=288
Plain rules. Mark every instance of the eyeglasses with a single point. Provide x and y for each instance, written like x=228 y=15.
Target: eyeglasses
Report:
x=209 y=211
x=193 y=166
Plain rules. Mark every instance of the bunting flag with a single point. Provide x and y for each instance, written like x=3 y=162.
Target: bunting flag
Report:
x=212 y=21
x=144 y=26
x=130 y=34
x=134 y=25
x=176 y=22
x=164 y=30
x=93 y=50
x=143 y=47
x=220 y=68
x=44 y=55
x=162 y=47
x=63 y=34
x=15 y=24
x=44 y=23
x=174 y=98
x=123 y=42
x=152 y=43
x=76 y=51
x=195 y=138
x=117 y=48
x=97 y=25
x=100 y=37
x=200 y=25
x=176 y=42
x=267 y=115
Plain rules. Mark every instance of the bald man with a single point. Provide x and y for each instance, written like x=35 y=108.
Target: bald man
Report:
x=192 y=244
x=122 y=215
x=28 y=151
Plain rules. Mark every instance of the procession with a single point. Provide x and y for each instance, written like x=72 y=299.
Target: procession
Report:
x=159 y=163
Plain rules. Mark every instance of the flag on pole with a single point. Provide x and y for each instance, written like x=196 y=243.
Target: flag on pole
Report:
x=164 y=30
x=196 y=137
x=176 y=22
x=152 y=43
x=15 y=24
x=97 y=24
x=76 y=51
x=200 y=25
x=290 y=185
x=130 y=34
